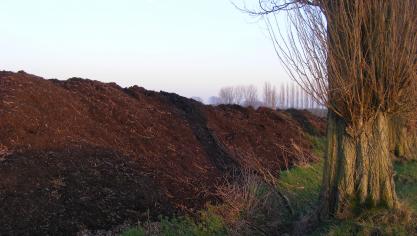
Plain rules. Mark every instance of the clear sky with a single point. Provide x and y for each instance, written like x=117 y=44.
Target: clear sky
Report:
x=191 y=47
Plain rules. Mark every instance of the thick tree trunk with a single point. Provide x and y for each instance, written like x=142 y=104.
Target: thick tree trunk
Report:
x=403 y=140
x=358 y=172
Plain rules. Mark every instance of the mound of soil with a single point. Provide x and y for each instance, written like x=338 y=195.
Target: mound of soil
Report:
x=312 y=124
x=81 y=154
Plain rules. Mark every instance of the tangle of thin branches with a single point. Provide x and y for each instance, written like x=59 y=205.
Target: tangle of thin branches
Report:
x=356 y=57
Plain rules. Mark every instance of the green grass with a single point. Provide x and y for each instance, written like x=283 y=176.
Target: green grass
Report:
x=138 y=231
x=406 y=182
x=302 y=184
x=373 y=222
x=208 y=224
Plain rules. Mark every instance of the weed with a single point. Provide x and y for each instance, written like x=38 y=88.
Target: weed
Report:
x=138 y=231
x=207 y=224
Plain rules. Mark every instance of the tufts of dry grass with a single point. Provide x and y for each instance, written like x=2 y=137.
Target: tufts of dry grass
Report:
x=400 y=221
x=251 y=206
x=242 y=202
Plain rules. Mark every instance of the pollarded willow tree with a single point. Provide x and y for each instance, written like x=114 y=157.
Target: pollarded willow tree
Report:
x=358 y=58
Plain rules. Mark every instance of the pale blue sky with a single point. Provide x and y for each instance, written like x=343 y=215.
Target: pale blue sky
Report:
x=191 y=47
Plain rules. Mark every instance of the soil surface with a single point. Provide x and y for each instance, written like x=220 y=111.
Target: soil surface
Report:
x=81 y=154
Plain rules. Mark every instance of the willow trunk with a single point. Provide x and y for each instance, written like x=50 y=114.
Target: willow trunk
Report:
x=358 y=172
x=403 y=139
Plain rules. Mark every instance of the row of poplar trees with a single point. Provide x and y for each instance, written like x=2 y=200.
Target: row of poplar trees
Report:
x=289 y=95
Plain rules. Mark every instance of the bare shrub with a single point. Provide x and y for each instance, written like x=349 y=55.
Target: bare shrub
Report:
x=239 y=94
x=249 y=205
x=251 y=96
x=254 y=203
x=226 y=95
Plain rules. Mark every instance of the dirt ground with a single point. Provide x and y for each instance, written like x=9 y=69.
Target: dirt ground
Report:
x=81 y=154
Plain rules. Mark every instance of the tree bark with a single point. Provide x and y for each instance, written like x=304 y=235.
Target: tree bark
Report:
x=403 y=140
x=358 y=172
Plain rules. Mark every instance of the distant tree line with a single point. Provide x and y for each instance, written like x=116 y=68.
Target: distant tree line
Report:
x=289 y=95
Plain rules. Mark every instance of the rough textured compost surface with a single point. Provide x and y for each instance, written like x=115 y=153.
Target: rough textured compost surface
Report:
x=81 y=154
